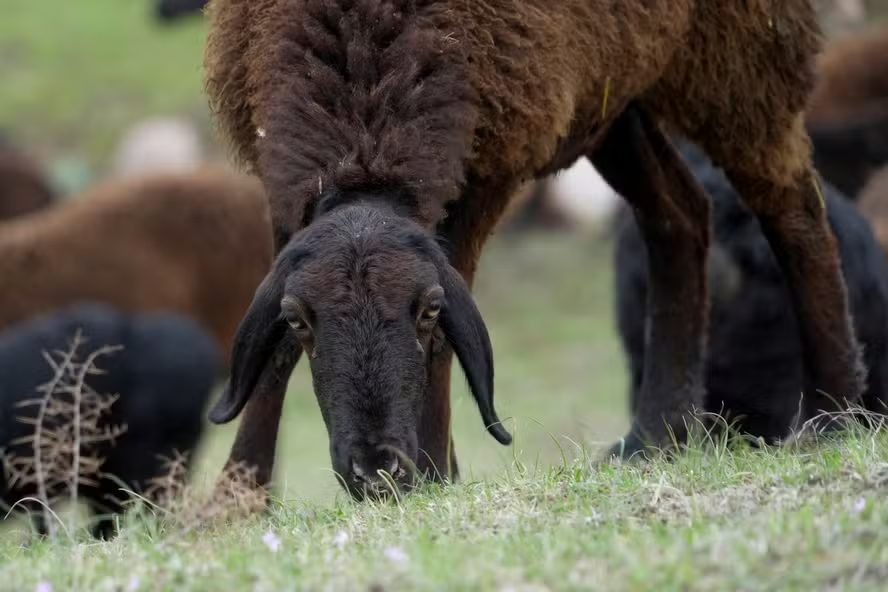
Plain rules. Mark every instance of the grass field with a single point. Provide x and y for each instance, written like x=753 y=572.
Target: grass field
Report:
x=540 y=515
x=721 y=519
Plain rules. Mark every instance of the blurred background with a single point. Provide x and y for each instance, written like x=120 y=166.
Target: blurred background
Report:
x=98 y=89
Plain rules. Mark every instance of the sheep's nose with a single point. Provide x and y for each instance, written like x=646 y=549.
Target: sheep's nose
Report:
x=377 y=470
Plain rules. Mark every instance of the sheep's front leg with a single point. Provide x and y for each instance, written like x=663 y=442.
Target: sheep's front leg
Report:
x=468 y=225
x=252 y=454
x=672 y=212
x=792 y=215
x=437 y=457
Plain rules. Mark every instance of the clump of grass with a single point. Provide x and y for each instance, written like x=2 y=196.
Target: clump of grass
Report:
x=185 y=507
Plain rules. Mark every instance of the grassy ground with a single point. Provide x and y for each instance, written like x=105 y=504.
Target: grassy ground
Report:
x=75 y=74
x=721 y=519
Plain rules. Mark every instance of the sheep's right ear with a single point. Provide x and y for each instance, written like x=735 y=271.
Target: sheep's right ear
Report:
x=258 y=336
x=465 y=331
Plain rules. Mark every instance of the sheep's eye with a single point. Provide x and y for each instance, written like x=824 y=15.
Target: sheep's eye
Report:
x=297 y=324
x=431 y=312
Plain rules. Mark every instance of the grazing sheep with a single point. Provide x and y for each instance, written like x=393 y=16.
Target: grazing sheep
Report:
x=196 y=244
x=852 y=77
x=163 y=377
x=390 y=134
x=23 y=186
x=754 y=358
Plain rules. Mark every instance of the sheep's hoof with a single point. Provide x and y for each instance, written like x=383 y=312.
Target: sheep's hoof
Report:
x=630 y=447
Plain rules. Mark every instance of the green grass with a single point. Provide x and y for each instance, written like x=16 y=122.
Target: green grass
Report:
x=75 y=74
x=716 y=519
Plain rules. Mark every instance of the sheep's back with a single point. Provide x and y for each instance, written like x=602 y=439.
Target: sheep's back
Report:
x=197 y=244
x=23 y=186
x=853 y=77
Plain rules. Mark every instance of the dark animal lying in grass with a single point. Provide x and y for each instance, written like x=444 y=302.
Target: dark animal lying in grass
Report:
x=390 y=135
x=163 y=376
x=23 y=186
x=196 y=243
x=754 y=370
x=846 y=153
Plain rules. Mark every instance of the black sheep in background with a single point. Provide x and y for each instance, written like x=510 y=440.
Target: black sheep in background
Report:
x=754 y=357
x=163 y=375
x=172 y=10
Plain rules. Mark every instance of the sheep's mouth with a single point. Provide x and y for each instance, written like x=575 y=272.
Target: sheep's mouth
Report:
x=385 y=488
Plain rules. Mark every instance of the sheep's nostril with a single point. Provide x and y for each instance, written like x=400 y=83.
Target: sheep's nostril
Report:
x=358 y=472
x=393 y=470
x=387 y=469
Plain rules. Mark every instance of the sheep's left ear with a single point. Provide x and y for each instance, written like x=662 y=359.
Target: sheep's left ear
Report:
x=258 y=337
x=465 y=331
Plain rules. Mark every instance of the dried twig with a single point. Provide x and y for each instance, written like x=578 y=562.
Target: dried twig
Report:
x=67 y=431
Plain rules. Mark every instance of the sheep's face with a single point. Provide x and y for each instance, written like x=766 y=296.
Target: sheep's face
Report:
x=370 y=298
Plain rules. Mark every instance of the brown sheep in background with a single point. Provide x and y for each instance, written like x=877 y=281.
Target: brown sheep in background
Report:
x=390 y=134
x=853 y=77
x=847 y=117
x=197 y=244
x=23 y=186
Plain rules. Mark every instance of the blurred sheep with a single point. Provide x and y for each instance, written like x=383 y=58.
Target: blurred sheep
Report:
x=197 y=244
x=162 y=375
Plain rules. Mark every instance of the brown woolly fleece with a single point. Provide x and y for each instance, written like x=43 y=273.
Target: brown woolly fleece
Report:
x=328 y=95
x=23 y=186
x=853 y=78
x=197 y=244
x=444 y=107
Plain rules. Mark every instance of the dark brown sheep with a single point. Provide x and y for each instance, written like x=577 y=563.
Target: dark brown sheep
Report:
x=390 y=135
x=196 y=244
x=852 y=77
x=847 y=117
x=23 y=186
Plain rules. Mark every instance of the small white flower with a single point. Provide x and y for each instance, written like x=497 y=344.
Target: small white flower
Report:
x=133 y=584
x=859 y=505
x=43 y=587
x=271 y=541
x=340 y=539
x=396 y=555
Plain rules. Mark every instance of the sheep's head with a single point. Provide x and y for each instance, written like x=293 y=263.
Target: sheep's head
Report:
x=370 y=297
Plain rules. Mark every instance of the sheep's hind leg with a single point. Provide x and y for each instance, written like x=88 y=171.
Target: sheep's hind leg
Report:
x=672 y=212
x=792 y=215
